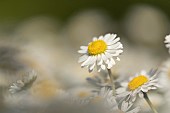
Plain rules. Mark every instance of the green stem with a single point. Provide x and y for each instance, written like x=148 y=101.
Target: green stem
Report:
x=149 y=102
x=112 y=81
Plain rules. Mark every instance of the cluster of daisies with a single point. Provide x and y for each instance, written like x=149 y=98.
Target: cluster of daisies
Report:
x=101 y=54
x=114 y=95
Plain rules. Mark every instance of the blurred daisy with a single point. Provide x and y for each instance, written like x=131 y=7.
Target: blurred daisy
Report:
x=142 y=82
x=126 y=106
x=105 y=97
x=164 y=77
x=23 y=84
x=78 y=96
x=46 y=89
x=99 y=81
x=101 y=52
x=167 y=41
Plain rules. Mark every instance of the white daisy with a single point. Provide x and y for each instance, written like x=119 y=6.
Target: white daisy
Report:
x=142 y=82
x=23 y=84
x=167 y=41
x=106 y=98
x=101 y=52
x=164 y=77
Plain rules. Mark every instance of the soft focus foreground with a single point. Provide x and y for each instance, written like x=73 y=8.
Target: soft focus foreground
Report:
x=39 y=59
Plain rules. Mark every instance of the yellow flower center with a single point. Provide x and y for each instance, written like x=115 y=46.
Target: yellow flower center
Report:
x=137 y=81
x=97 y=47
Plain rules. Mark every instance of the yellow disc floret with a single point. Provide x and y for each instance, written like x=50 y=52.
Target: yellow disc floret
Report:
x=137 y=81
x=97 y=47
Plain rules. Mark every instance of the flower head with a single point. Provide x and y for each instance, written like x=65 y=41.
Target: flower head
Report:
x=101 y=52
x=167 y=41
x=142 y=82
x=23 y=84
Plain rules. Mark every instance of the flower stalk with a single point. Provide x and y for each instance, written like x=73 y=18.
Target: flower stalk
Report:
x=149 y=102
x=112 y=81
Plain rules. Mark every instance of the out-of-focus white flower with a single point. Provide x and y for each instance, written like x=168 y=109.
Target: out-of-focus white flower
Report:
x=46 y=89
x=167 y=41
x=164 y=77
x=81 y=92
x=146 y=25
x=131 y=55
x=99 y=81
x=127 y=105
x=142 y=82
x=23 y=84
x=85 y=24
x=106 y=98
x=101 y=52
x=79 y=95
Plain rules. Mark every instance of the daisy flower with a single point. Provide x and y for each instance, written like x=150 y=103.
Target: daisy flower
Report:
x=23 y=84
x=106 y=98
x=164 y=77
x=167 y=41
x=139 y=84
x=101 y=52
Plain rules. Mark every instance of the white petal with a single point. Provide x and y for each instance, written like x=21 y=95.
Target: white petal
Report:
x=103 y=67
x=84 y=47
x=82 y=51
x=106 y=37
x=116 y=40
x=94 y=39
x=83 y=58
x=100 y=62
x=120 y=90
x=135 y=110
x=109 y=65
x=99 y=70
x=141 y=94
x=108 y=55
x=167 y=45
x=143 y=72
x=111 y=51
x=124 y=84
x=104 y=58
x=101 y=37
x=92 y=67
x=124 y=94
x=86 y=62
x=113 y=36
x=124 y=106
x=117 y=53
x=144 y=89
x=118 y=59
x=113 y=46
x=112 y=61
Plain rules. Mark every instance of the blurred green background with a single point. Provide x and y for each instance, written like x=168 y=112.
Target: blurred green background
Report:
x=16 y=10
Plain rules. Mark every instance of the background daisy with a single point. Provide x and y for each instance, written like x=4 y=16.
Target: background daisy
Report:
x=167 y=41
